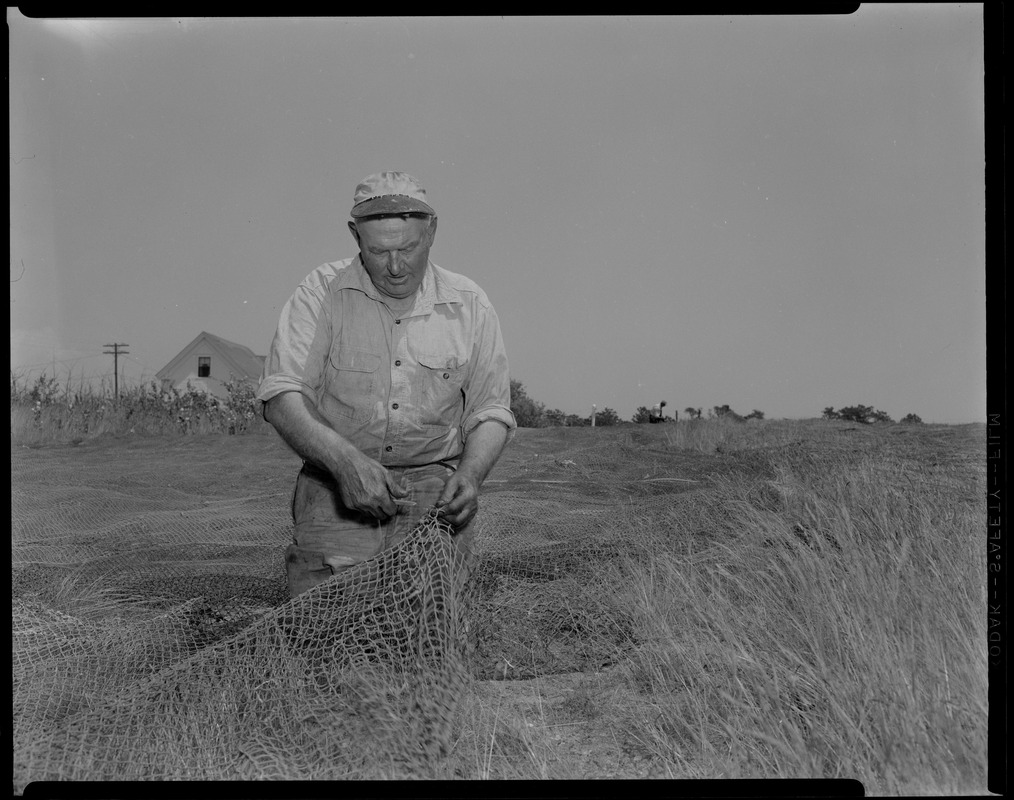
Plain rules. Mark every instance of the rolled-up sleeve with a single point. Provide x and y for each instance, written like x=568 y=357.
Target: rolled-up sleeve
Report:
x=297 y=357
x=488 y=395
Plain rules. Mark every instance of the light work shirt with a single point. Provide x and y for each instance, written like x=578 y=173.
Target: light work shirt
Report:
x=405 y=390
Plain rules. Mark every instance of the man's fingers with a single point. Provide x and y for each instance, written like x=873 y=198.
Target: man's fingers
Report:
x=396 y=490
x=446 y=495
x=379 y=505
x=458 y=502
x=459 y=520
x=371 y=489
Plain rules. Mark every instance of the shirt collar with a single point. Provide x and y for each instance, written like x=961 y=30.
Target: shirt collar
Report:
x=434 y=289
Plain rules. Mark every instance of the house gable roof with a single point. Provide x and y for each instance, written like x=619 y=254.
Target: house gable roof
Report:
x=239 y=359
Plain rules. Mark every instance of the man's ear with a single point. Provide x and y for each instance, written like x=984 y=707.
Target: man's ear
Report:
x=433 y=228
x=355 y=230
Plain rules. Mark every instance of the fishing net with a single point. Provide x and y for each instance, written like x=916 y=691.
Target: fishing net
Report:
x=153 y=637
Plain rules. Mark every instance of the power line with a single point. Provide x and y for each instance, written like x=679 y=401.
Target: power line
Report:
x=58 y=361
x=23 y=372
x=74 y=360
x=47 y=344
x=141 y=364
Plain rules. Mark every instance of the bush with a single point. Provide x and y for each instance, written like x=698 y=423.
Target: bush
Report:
x=858 y=413
x=528 y=412
x=555 y=417
x=607 y=416
x=724 y=412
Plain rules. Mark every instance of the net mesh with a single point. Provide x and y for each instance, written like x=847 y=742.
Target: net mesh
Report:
x=154 y=638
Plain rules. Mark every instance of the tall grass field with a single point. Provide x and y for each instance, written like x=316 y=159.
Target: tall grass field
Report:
x=813 y=607
x=814 y=610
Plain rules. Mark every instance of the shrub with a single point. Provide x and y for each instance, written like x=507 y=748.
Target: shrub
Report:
x=858 y=413
x=528 y=412
x=607 y=416
x=643 y=414
x=555 y=417
x=724 y=412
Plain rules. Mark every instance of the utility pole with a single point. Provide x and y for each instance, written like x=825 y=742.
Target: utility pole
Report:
x=116 y=352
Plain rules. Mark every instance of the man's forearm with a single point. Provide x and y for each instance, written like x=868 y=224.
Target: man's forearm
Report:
x=304 y=429
x=459 y=502
x=483 y=447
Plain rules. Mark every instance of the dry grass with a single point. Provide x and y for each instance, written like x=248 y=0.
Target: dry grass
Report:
x=812 y=609
x=831 y=627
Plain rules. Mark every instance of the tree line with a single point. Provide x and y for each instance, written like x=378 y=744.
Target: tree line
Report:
x=530 y=413
x=865 y=415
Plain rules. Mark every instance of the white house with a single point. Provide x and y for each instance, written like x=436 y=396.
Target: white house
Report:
x=208 y=362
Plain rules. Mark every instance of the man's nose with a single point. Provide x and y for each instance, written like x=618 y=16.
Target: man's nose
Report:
x=394 y=264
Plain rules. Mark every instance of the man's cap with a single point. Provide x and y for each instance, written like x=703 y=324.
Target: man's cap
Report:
x=390 y=193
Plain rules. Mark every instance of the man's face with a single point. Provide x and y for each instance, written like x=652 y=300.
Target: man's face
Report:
x=395 y=251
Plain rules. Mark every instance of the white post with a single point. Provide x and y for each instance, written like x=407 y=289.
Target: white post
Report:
x=593 y=414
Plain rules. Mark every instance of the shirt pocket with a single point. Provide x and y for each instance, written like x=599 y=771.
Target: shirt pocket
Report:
x=352 y=380
x=441 y=383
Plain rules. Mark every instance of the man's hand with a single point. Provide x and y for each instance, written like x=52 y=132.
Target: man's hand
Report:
x=363 y=483
x=459 y=501
x=368 y=487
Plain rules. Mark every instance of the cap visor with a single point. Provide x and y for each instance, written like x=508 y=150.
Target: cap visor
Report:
x=391 y=204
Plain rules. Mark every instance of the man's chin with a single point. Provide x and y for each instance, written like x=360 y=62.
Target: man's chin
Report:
x=399 y=291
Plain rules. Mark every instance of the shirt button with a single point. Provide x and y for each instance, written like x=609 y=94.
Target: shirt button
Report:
x=397 y=322
x=389 y=448
x=397 y=363
x=394 y=405
x=446 y=376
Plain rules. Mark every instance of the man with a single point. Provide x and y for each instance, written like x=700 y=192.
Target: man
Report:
x=655 y=415
x=387 y=375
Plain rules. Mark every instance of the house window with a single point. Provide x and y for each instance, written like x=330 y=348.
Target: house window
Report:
x=203 y=366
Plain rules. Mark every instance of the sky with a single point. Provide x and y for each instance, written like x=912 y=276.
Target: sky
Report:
x=775 y=213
